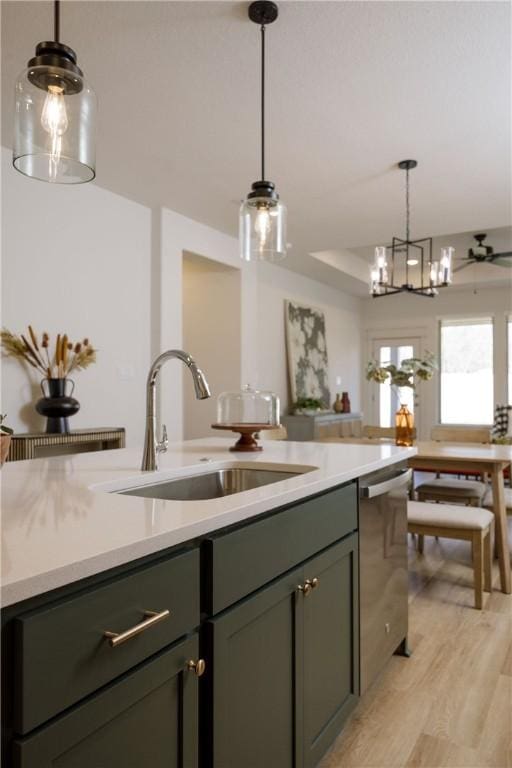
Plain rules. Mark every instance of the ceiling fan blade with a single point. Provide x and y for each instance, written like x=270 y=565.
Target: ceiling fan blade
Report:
x=467 y=263
x=502 y=260
x=504 y=255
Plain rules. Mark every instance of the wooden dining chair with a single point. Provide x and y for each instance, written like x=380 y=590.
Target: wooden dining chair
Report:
x=474 y=525
x=377 y=433
x=469 y=492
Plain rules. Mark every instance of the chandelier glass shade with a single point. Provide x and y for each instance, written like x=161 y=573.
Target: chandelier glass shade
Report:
x=408 y=265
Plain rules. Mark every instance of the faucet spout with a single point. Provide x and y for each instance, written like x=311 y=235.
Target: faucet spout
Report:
x=200 y=384
x=151 y=445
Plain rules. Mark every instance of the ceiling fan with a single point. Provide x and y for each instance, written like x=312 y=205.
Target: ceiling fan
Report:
x=485 y=253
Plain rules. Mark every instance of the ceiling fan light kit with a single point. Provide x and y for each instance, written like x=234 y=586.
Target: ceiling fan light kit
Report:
x=55 y=116
x=410 y=258
x=484 y=254
x=262 y=219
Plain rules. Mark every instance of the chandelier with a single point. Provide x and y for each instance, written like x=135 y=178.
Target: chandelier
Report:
x=407 y=265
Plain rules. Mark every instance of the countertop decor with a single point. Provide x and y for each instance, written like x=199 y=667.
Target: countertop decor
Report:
x=247 y=412
x=406 y=375
x=67 y=357
x=35 y=351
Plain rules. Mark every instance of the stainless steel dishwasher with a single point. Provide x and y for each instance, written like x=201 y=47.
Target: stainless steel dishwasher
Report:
x=383 y=568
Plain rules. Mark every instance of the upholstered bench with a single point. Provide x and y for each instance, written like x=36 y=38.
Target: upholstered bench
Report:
x=456 y=491
x=449 y=521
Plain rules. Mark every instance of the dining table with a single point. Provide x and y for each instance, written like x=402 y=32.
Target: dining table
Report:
x=486 y=459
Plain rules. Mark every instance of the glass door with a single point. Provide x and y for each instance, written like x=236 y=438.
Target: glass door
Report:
x=385 y=399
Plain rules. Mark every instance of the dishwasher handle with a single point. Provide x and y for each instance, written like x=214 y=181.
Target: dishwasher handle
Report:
x=371 y=491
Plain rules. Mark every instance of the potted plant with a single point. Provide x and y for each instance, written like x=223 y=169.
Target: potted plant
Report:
x=408 y=374
x=5 y=439
x=307 y=406
x=55 y=366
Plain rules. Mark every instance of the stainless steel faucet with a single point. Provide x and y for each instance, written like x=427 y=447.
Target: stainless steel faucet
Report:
x=152 y=447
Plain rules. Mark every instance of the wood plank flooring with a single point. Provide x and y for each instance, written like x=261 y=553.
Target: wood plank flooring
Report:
x=450 y=704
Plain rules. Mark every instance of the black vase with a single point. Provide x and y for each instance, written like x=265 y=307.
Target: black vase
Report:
x=56 y=405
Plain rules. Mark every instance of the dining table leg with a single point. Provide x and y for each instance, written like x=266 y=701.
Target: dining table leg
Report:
x=500 y=523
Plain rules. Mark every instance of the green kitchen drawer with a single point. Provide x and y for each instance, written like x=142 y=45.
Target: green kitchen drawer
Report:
x=240 y=561
x=61 y=651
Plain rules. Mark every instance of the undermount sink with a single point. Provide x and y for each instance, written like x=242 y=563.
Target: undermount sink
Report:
x=212 y=485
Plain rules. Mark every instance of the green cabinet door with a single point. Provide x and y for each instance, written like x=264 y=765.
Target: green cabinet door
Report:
x=255 y=693
x=148 y=718
x=331 y=646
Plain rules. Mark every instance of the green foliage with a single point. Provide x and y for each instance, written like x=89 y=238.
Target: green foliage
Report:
x=308 y=403
x=407 y=375
x=4 y=429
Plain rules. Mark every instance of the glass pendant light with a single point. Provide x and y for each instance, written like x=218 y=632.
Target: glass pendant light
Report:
x=262 y=214
x=55 y=116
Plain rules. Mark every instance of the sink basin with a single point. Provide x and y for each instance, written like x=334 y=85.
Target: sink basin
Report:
x=213 y=484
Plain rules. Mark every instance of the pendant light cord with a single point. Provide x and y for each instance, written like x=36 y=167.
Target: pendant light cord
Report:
x=263 y=102
x=56 y=20
x=407 y=207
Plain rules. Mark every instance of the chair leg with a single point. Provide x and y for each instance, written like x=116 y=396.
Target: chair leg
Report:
x=421 y=543
x=488 y=560
x=478 y=552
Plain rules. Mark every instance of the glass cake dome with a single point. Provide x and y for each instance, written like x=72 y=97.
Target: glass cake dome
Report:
x=248 y=406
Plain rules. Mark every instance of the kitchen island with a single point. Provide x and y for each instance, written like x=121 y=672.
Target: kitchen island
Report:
x=144 y=631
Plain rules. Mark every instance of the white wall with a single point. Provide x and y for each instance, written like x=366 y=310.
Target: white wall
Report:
x=211 y=334
x=77 y=260
x=180 y=235
x=263 y=289
x=343 y=331
x=85 y=261
x=403 y=313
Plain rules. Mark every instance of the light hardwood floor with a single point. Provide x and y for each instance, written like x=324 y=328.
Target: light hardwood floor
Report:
x=450 y=704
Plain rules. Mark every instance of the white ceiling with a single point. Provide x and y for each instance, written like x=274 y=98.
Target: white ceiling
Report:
x=354 y=87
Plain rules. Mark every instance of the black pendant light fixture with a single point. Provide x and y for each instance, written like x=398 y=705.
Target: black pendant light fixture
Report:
x=262 y=214
x=410 y=267
x=55 y=116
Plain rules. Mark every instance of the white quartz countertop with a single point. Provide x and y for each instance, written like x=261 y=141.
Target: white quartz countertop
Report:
x=60 y=524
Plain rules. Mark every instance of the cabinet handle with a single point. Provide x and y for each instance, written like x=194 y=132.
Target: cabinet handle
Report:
x=152 y=617
x=305 y=588
x=315 y=582
x=198 y=667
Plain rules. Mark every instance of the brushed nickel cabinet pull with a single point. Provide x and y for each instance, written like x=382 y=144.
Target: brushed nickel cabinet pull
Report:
x=315 y=582
x=305 y=588
x=198 y=667
x=152 y=617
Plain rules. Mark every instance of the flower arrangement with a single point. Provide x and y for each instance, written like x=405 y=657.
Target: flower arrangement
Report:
x=410 y=371
x=67 y=356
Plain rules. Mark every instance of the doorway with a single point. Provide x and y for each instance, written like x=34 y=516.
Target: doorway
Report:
x=385 y=400
x=212 y=335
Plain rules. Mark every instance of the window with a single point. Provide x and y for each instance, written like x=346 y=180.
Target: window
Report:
x=467 y=386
